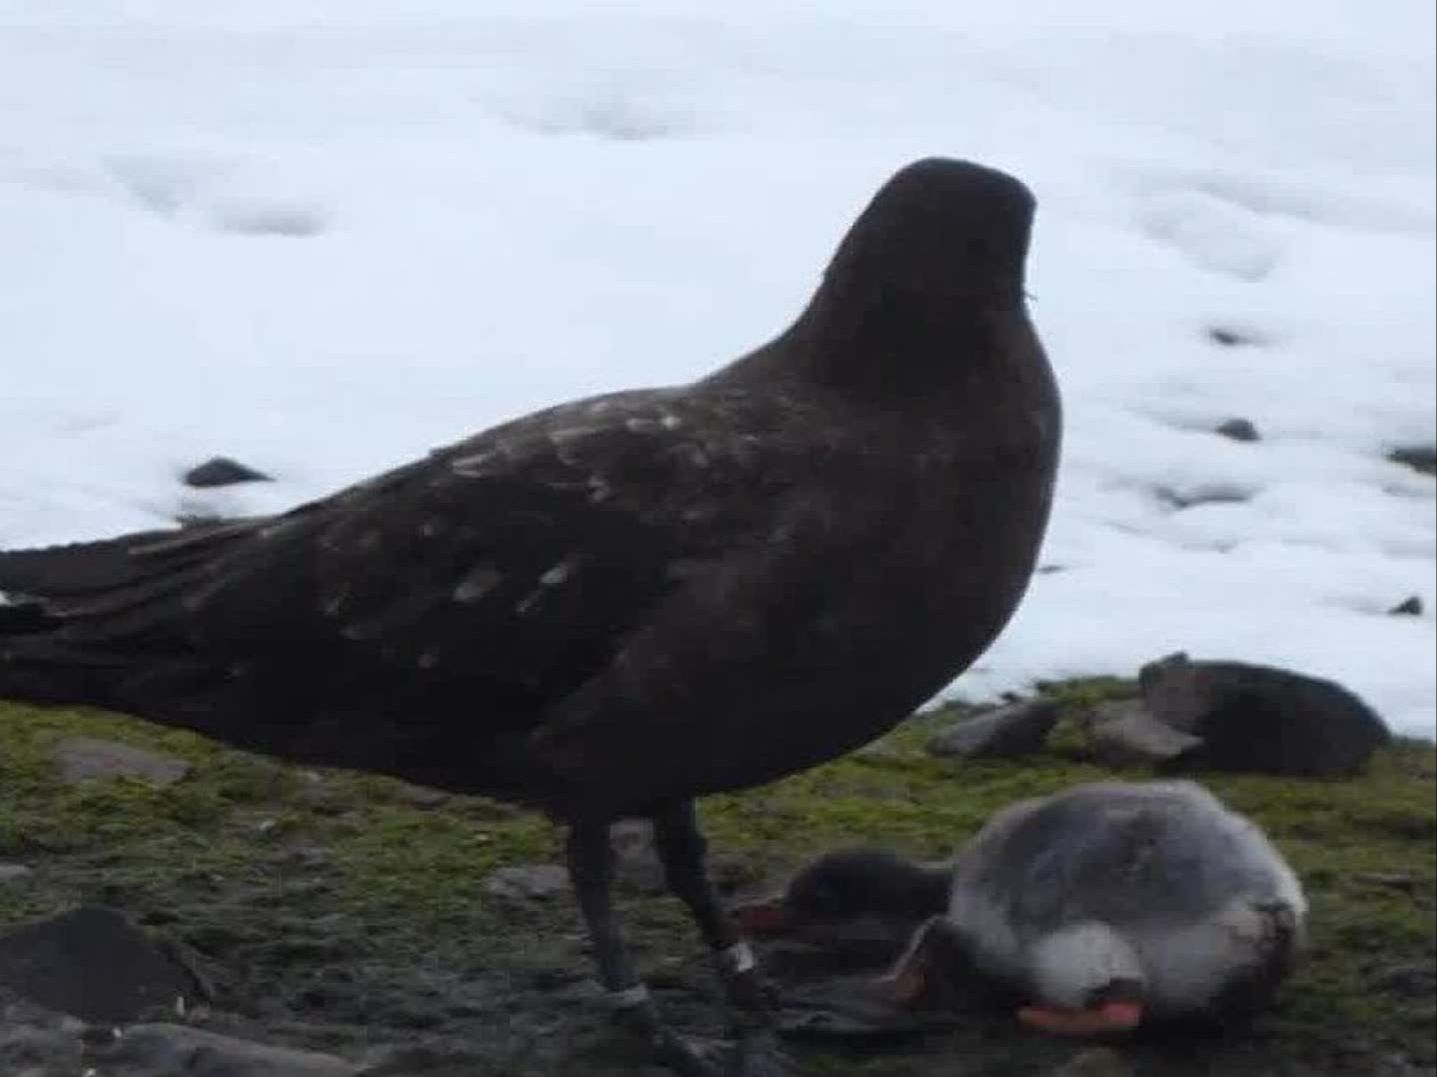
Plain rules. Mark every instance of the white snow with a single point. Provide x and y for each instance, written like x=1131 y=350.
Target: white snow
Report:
x=322 y=236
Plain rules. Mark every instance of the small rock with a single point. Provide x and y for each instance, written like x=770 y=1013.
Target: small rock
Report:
x=1018 y=729
x=27 y=1051
x=1209 y=494
x=197 y=518
x=1409 y=981
x=308 y=854
x=164 y=1050
x=1230 y=337
x=1389 y=880
x=1239 y=430
x=1262 y=719
x=1169 y=688
x=91 y=963
x=1124 y=734
x=1420 y=458
x=83 y=758
x=267 y=218
x=1411 y=606
x=527 y=882
x=1095 y=1062
x=14 y=873
x=222 y=471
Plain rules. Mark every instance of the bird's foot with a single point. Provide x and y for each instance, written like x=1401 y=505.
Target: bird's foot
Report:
x=638 y=1016
x=1104 y=1019
x=757 y=1054
x=753 y=1016
x=754 y=1053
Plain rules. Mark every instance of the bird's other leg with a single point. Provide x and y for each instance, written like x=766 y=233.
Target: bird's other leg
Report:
x=682 y=850
x=591 y=871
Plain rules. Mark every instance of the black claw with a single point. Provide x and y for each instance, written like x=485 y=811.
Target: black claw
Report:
x=752 y=998
x=757 y=1054
x=673 y=1051
x=665 y=1046
x=753 y=1002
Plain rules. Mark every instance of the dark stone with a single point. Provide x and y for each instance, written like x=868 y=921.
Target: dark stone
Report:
x=1216 y=494
x=1421 y=458
x=1018 y=729
x=1389 y=880
x=527 y=882
x=1408 y=981
x=269 y=219
x=14 y=873
x=83 y=758
x=164 y=1050
x=1411 y=606
x=198 y=519
x=1123 y=734
x=41 y=1052
x=1260 y=718
x=1239 y=430
x=1229 y=337
x=222 y=471
x=93 y=964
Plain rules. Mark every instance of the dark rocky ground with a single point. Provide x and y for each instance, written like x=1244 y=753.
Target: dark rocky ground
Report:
x=356 y=916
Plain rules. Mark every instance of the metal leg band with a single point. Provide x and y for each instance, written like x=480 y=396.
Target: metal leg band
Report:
x=738 y=957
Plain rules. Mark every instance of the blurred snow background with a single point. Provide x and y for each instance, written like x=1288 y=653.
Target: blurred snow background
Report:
x=322 y=236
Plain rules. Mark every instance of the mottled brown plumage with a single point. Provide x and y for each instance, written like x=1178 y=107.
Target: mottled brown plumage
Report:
x=615 y=605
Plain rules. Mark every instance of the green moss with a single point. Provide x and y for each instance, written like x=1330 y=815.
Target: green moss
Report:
x=285 y=878
x=428 y=866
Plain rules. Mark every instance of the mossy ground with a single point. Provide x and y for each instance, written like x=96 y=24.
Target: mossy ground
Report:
x=340 y=911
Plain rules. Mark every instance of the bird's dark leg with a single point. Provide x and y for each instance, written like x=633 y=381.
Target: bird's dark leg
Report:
x=682 y=849
x=591 y=871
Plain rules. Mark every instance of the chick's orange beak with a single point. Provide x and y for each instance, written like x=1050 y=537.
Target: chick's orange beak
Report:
x=1110 y=1017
